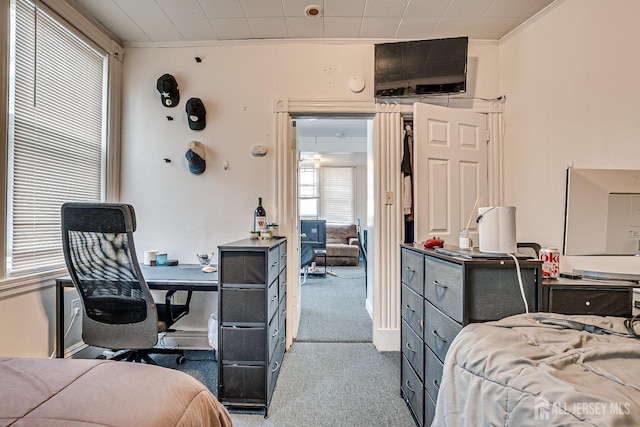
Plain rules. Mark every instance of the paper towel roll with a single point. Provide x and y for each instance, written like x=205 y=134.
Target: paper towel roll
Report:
x=150 y=256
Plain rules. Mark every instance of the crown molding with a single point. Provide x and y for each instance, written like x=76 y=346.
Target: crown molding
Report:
x=529 y=22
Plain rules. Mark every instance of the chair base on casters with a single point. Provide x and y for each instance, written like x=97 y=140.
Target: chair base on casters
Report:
x=139 y=356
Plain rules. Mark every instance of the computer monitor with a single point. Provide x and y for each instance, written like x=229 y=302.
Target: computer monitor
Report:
x=314 y=233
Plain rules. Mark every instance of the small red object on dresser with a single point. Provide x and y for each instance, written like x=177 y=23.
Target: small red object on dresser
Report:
x=434 y=242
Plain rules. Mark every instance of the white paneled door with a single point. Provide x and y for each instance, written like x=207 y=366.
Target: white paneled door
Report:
x=450 y=170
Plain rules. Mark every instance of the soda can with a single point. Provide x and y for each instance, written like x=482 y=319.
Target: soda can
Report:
x=550 y=262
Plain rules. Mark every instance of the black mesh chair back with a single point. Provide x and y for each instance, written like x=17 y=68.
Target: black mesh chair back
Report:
x=307 y=256
x=118 y=308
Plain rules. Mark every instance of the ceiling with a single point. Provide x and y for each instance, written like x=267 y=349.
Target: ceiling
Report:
x=179 y=21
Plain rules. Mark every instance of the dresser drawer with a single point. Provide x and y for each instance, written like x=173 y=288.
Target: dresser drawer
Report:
x=413 y=349
x=243 y=384
x=433 y=372
x=413 y=390
x=439 y=330
x=273 y=300
x=412 y=273
x=429 y=409
x=242 y=305
x=443 y=286
x=242 y=344
x=274 y=335
x=273 y=263
x=592 y=300
x=412 y=309
x=283 y=256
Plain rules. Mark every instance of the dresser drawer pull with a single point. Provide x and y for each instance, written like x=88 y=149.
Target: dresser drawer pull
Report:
x=274 y=264
x=440 y=285
x=275 y=297
x=275 y=333
x=408 y=345
x=408 y=307
x=435 y=383
x=410 y=269
x=435 y=334
x=276 y=368
x=409 y=386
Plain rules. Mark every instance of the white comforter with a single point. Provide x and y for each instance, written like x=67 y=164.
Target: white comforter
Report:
x=542 y=369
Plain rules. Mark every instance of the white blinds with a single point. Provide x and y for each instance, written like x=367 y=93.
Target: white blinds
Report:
x=338 y=195
x=57 y=135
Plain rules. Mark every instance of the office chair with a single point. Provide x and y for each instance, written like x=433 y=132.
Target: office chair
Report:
x=530 y=248
x=307 y=256
x=119 y=312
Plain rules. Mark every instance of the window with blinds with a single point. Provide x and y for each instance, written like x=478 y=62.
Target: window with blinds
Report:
x=57 y=133
x=338 y=195
x=308 y=193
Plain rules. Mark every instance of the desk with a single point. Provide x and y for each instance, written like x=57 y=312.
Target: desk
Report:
x=185 y=277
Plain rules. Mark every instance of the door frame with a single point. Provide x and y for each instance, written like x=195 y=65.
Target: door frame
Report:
x=385 y=314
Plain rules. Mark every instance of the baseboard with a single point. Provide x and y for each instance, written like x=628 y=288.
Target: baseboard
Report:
x=386 y=339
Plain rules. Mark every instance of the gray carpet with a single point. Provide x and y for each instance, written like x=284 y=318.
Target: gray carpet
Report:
x=333 y=307
x=332 y=375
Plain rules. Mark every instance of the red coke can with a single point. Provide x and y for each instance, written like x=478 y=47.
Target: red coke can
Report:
x=550 y=263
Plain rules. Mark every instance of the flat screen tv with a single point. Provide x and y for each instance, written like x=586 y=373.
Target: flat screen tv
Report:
x=421 y=67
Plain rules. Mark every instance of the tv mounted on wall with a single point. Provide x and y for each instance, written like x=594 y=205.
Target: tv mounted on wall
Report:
x=421 y=67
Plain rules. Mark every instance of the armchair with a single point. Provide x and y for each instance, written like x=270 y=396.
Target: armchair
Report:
x=119 y=312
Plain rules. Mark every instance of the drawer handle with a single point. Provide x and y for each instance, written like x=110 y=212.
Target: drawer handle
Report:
x=275 y=334
x=435 y=334
x=408 y=307
x=410 y=269
x=409 y=386
x=408 y=345
x=276 y=368
x=274 y=264
x=440 y=285
x=275 y=297
x=435 y=383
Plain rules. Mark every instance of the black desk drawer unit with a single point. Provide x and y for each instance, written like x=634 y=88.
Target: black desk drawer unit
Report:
x=596 y=297
x=440 y=295
x=252 y=319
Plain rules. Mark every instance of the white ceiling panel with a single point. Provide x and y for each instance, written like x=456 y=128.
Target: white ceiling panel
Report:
x=196 y=29
x=268 y=28
x=416 y=28
x=168 y=20
x=182 y=10
x=299 y=27
x=467 y=9
x=342 y=27
x=385 y=8
x=219 y=9
x=232 y=29
x=354 y=8
x=379 y=28
x=263 y=8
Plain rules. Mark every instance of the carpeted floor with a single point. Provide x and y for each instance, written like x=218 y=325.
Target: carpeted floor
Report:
x=333 y=308
x=332 y=375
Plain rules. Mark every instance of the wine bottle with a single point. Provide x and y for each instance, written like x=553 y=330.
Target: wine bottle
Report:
x=259 y=217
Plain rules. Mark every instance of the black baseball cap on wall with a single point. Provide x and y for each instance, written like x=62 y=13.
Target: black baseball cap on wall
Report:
x=169 y=92
x=196 y=114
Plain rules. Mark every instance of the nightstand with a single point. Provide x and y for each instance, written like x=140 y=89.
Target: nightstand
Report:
x=583 y=296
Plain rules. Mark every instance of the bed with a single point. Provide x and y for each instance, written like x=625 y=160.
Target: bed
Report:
x=542 y=369
x=64 y=392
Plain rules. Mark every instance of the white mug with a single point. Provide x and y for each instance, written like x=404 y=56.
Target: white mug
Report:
x=150 y=257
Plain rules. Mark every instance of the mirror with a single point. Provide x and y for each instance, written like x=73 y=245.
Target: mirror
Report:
x=602 y=212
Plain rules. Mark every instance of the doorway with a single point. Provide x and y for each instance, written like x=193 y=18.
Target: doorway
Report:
x=333 y=162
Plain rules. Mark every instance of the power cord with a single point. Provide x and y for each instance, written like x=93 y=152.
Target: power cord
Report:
x=75 y=313
x=629 y=324
x=524 y=298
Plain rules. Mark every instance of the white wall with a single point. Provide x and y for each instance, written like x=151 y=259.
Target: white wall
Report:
x=183 y=213
x=572 y=94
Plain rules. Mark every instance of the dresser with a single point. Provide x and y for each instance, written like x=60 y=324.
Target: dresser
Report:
x=252 y=321
x=439 y=295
